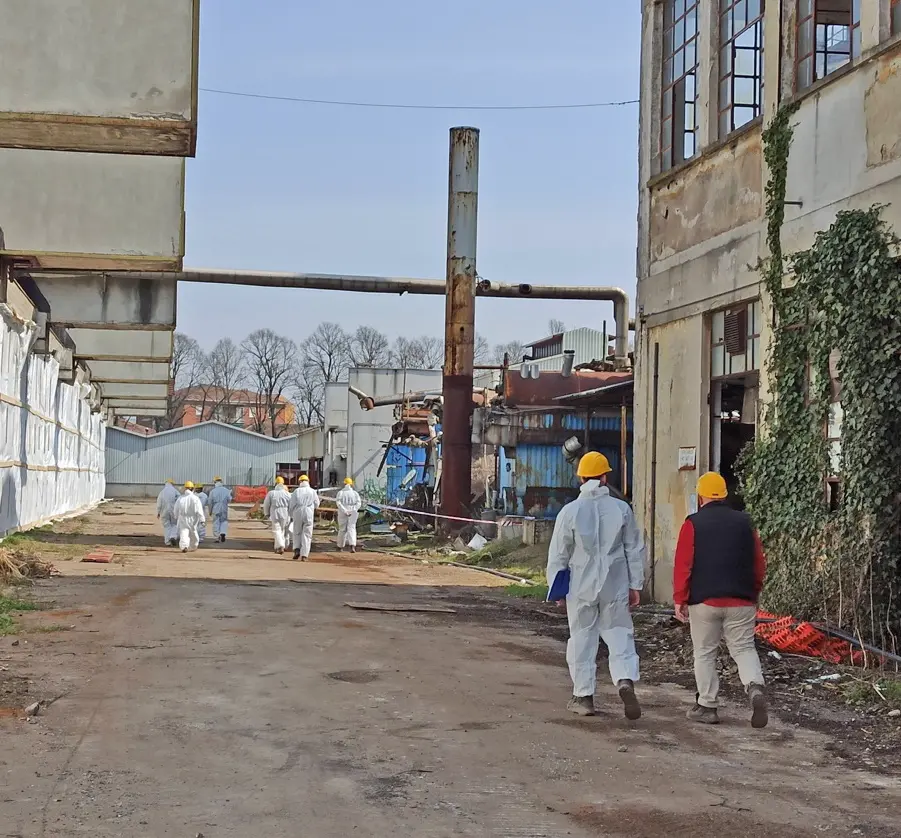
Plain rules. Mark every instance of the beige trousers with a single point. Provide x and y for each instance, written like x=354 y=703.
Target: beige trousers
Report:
x=709 y=626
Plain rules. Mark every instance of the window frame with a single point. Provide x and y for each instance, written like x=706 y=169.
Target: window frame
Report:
x=813 y=17
x=678 y=15
x=895 y=17
x=726 y=123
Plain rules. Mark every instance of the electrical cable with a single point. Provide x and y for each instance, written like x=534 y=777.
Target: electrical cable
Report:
x=421 y=107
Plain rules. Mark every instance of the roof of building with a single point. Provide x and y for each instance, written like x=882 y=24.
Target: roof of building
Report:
x=199 y=425
x=550 y=386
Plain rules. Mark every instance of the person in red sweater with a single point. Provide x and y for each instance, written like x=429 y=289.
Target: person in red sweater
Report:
x=717 y=577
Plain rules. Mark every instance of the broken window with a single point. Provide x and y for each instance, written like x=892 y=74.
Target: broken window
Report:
x=896 y=17
x=741 y=63
x=678 y=123
x=828 y=38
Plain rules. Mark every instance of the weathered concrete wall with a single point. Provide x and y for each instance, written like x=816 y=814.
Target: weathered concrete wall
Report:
x=702 y=233
x=99 y=75
x=103 y=211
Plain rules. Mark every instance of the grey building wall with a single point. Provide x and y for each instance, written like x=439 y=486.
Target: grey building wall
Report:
x=137 y=466
x=369 y=430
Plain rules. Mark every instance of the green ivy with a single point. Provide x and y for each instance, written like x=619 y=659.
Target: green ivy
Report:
x=843 y=295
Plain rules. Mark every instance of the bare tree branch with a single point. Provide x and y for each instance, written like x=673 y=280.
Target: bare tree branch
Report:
x=555 y=327
x=369 y=348
x=184 y=372
x=422 y=353
x=270 y=360
x=226 y=373
x=514 y=349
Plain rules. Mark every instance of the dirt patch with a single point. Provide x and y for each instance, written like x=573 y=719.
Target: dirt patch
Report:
x=352 y=624
x=543 y=657
x=635 y=822
x=354 y=676
x=125 y=598
x=15 y=692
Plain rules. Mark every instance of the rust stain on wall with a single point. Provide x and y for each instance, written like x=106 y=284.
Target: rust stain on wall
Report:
x=882 y=111
x=718 y=193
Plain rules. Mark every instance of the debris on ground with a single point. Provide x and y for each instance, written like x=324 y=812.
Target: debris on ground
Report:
x=34 y=709
x=387 y=606
x=16 y=565
x=99 y=556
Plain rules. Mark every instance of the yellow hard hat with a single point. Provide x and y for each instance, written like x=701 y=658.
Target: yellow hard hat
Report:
x=304 y=478
x=348 y=481
x=279 y=481
x=170 y=480
x=712 y=486
x=216 y=479
x=593 y=464
x=189 y=485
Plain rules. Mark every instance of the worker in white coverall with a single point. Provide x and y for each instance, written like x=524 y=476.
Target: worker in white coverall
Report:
x=304 y=503
x=218 y=502
x=204 y=499
x=189 y=514
x=275 y=508
x=597 y=540
x=165 y=511
x=349 y=503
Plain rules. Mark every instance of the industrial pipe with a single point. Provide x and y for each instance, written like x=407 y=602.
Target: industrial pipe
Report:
x=401 y=285
x=368 y=402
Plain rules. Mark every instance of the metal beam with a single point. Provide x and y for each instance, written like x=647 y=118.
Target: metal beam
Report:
x=119 y=372
x=144 y=411
x=133 y=390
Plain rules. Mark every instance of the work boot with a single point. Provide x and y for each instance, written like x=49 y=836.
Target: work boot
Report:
x=630 y=700
x=184 y=549
x=353 y=549
x=222 y=539
x=581 y=705
x=759 y=706
x=296 y=555
x=704 y=715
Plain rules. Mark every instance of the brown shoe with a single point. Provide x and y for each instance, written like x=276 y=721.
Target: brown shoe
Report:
x=704 y=715
x=760 y=715
x=581 y=705
x=629 y=699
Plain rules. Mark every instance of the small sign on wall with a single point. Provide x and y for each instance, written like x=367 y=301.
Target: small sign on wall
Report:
x=688 y=459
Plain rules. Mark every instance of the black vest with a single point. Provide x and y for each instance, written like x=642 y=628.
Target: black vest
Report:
x=724 y=554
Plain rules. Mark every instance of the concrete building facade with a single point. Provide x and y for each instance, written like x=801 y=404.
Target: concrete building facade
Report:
x=713 y=75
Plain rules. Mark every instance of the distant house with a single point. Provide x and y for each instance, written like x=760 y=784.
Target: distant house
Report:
x=240 y=408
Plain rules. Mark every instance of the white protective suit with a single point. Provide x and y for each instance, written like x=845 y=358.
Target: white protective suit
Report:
x=165 y=510
x=597 y=538
x=189 y=513
x=204 y=503
x=275 y=508
x=304 y=503
x=219 y=500
x=349 y=503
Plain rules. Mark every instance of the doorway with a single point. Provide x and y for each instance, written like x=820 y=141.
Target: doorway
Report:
x=733 y=424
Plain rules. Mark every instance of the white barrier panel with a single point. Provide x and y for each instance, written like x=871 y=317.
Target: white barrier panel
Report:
x=51 y=445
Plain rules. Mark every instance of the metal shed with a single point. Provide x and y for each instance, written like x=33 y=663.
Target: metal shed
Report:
x=137 y=466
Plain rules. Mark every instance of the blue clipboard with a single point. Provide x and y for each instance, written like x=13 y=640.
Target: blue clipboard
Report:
x=560 y=588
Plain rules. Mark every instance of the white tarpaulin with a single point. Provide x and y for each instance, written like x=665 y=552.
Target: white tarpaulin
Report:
x=51 y=445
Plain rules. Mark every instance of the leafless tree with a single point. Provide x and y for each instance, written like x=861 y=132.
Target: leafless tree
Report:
x=369 y=348
x=514 y=349
x=481 y=350
x=226 y=373
x=422 y=353
x=325 y=354
x=555 y=327
x=271 y=361
x=309 y=395
x=184 y=372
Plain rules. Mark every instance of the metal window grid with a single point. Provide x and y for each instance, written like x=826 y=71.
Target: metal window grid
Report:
x=741 y=63
x=678 y=123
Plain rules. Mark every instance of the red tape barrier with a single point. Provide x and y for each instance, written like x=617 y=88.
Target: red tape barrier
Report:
x=785 y=634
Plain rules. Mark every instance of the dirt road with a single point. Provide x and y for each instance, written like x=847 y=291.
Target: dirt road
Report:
x=222 y=708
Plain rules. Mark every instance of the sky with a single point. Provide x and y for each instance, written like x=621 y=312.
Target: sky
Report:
x=285 y=186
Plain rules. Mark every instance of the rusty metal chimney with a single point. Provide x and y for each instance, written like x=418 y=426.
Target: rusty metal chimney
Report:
x=459 y=335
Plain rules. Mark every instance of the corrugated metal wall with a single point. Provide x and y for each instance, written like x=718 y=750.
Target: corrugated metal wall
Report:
x=401 y=459
x=544 y=481
x=197 y=453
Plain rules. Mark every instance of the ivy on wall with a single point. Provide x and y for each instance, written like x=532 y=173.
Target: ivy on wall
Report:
x=842 y=296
